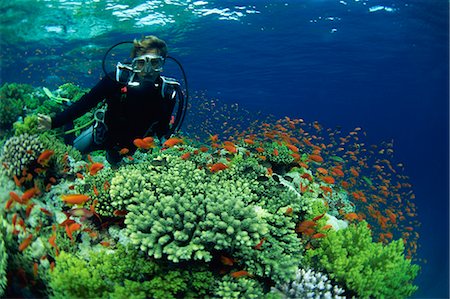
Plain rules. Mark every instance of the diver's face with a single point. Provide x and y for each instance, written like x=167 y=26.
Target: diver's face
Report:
x=152 y=75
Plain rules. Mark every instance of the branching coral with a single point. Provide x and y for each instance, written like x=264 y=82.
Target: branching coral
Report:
x=123 y=272
x=19 y=151
x=309 y=284
x=13 y=98
x=183 y=214
x=3 y=260
x=367 y=268
x=238 y=288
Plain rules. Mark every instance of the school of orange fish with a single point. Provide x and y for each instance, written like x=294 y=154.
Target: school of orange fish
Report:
x=378 y=187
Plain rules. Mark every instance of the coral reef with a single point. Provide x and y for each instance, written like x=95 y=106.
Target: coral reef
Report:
x=3 y=260
x=372 y=270
x=309 y=284
x=121 y=272
x=183 y=214
x=232 y=218
x=19 y=151
x=14 y=99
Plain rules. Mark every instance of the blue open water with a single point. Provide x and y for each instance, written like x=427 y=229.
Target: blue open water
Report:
x=379 y=65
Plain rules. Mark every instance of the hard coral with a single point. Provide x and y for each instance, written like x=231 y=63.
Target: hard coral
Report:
x=370 y=269
x=3 y=261
x=184 y=213
x=19 y=151
x=309 y=284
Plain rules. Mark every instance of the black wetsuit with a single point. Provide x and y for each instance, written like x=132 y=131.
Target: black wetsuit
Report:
x=130 y=114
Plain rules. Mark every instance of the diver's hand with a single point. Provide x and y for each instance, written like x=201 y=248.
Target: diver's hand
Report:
x=44 y=122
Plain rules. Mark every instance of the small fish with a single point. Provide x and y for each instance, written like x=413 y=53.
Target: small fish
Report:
x=316 y=158
x=35 y=269
x=351 y=216
x=214 y=138
x=328 y=179
x=185 y=156
x=230 y=148
x=25 y=243
x=328 y=226
x=227 y=261
x=172 y=142
x=258 y=246
x=46 y=212
x=120 y=213
x=44 y=157
x=218 y=167
x=27 y=195
x=75 y=198
x=318 y=217
x=241 y=273
x=105 y=243
x=322 y=170
x=292 y=148
x=318 y=235
x=140 y=143
x=124 y=151
x=95 y=167
x=17 y=181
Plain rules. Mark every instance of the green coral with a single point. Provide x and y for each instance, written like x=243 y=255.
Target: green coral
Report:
x=19 y=151
x=122 y=272
x=232 y=288
x=184 y=213
x=100 y=182
x=367 y=268
x=280 y=253
x=3 y=260
x=14 y=99
x=29 y=125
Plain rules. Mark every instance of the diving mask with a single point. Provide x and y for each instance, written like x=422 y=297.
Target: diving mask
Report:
x=147 y=63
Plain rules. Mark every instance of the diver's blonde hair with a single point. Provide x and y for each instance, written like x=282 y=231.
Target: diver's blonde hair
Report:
x=146 y=43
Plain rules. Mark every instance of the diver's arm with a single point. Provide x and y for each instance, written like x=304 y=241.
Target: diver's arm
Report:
x=85 y=103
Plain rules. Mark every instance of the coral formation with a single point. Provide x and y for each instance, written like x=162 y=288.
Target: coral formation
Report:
x=370 y=269
x=309 y=284
x=3 y=260
x=119 y=273
x=19 y=151
x=229 y=219
x=182 y=213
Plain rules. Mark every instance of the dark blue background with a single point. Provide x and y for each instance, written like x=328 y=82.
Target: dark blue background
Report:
x=386 y=72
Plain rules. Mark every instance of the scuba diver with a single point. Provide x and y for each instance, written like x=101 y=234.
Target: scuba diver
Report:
x=138 y=103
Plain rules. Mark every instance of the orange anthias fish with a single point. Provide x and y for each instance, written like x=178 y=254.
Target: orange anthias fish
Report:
x=25 y=243
x=328 y=179
x=44 y=157
x=95 y=167
x=78 y=199
x=230 y=148
x=241 y=273
x=172 y=142
x=145 y=143
x=258 y=246
x=217 y=167
x=124 y=151
x=227 y=261
x=316 y=158
x=29 y=194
